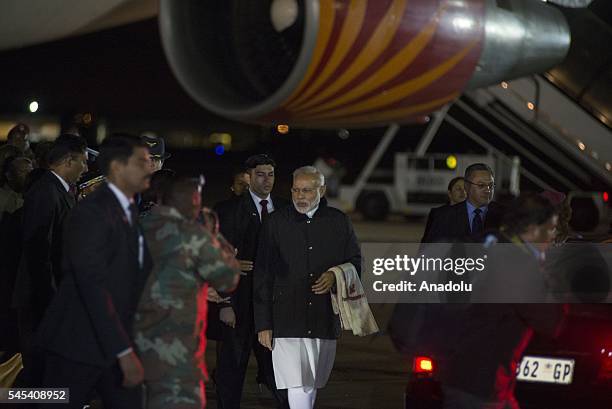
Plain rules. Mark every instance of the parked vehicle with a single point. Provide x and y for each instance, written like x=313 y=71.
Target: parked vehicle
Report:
x=570 y=372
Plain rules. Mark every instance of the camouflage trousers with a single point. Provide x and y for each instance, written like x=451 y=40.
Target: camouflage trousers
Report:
x=172 y=379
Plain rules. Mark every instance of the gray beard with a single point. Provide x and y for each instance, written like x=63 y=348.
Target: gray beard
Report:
x=314 y=204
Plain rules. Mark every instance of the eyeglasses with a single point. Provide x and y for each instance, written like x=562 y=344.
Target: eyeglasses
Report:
x=482 y=186
x=305 y=191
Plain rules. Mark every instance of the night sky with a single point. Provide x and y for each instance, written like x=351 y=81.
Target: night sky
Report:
x=122 y=75
x=118 y=72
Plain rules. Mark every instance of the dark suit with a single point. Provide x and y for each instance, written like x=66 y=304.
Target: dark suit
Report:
x=451 y=223
x=294 y=252
x=433 y=214
x=240 y=224
x=90 y=320
x=486 y=341
x=45 y=209
x=10 y=252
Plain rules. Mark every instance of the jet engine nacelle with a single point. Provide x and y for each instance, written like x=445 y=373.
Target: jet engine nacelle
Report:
x=343 y=63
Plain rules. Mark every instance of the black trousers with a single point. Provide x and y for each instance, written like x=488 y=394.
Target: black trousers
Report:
x=9 y=335
x=32 y=357
x=232 y=365
x=83 y=380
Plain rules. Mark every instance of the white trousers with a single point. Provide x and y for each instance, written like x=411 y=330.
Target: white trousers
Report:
x=302 y=362
x=301 y=398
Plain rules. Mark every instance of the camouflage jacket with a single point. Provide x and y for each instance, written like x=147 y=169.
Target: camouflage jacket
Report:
x=171 y=319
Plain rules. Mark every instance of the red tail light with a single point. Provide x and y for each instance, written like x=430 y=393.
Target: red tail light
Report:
x=423 y=364
x=605 y=371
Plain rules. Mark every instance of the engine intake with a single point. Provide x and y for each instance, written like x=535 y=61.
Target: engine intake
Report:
x=342 y=63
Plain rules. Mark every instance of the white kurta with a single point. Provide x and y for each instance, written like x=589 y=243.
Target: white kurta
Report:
x=303 y=362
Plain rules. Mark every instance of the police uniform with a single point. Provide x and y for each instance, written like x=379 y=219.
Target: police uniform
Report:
x=157 y=151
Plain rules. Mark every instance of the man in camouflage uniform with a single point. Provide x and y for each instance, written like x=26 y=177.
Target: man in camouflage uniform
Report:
x=171 y=319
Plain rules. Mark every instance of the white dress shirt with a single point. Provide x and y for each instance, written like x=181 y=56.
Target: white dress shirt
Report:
x=311 y=213
x=63 y=182
x=125 y=203
x=257 y=201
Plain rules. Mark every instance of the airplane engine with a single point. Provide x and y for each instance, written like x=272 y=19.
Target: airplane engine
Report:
x=352 y=63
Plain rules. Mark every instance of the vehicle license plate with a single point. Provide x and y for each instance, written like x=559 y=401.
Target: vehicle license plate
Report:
x=550 y=370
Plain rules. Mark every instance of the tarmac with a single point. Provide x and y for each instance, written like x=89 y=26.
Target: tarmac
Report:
x=368 y=374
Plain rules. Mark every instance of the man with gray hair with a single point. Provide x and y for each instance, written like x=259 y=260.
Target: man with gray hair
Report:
x=294 y=317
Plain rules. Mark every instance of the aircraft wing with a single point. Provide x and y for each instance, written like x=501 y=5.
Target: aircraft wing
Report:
x=29 y=22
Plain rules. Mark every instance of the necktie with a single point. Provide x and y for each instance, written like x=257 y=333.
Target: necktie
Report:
x=477 y=225
x=136 y=229
x=264 y=209
x=133 y=214
x=72 y=194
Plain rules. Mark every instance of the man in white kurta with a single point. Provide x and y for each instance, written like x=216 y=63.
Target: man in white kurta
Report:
x=294 y=317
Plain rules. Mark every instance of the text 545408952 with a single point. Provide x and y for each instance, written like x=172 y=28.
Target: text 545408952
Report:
x=34 y=395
